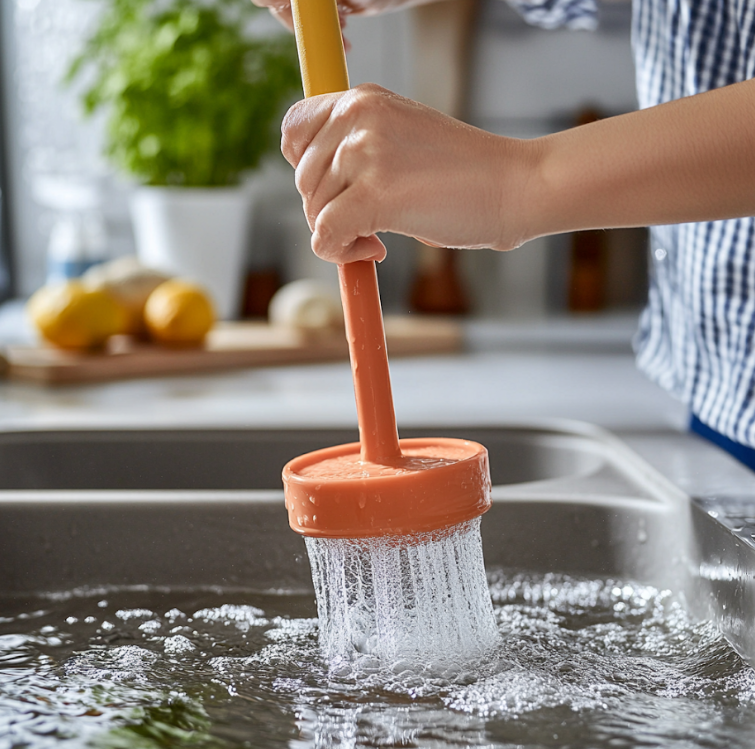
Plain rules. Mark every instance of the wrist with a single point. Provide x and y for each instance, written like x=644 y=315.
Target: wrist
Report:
x=557 y=194
x=521 y=194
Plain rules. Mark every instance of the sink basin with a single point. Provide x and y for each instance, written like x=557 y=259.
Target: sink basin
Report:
x=204 y=508
x=239 y=459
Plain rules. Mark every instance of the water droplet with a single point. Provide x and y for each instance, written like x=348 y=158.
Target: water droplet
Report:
x=642 y=535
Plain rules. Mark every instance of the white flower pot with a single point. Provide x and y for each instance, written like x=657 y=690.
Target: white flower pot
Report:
x=198 y=234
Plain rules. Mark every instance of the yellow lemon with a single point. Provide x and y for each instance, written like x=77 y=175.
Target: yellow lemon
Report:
x=130 y=284
x=71 y=316
x=179 y=313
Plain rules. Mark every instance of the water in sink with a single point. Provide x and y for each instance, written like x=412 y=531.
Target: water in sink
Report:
x=582 y=663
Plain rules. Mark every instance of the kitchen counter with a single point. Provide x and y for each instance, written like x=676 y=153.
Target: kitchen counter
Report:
x=573 y=369
x=518 y=372
x=473 y=388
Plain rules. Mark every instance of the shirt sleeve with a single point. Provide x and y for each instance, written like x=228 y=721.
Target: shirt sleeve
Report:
x=552 y=14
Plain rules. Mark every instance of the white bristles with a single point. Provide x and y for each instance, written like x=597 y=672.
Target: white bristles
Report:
x=421 y=599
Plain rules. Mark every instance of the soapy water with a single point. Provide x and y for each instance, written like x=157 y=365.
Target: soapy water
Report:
x=412 y=602
x=579 y=663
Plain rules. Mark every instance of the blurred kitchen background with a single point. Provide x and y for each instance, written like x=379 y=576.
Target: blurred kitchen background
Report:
x=474 y=58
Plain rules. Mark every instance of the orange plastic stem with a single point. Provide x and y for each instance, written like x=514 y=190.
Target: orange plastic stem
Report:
x=369 y=362
x=323 y=70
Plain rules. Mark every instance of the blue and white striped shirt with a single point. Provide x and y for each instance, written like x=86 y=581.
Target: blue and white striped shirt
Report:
x=697 y=334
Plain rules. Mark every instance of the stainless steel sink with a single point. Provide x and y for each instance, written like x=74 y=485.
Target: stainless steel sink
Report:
x=242 y=459
x=205 y=507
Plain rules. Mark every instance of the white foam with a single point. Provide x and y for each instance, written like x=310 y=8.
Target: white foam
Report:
x=419 y=600
x=242 y=617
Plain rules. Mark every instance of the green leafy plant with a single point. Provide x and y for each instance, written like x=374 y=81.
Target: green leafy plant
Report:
x=193 y=96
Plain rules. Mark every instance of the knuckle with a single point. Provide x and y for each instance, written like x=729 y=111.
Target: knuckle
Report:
x=358 y=102
x=352 y=153
x=322 y=241
x=289 y=149
x=291 y=143
x=360 y=143
x=318 y=247
x=371 y=89
x=287 y=124
x=300 y=180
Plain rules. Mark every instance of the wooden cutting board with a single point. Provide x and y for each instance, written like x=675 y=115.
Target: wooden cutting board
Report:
x=228 y=346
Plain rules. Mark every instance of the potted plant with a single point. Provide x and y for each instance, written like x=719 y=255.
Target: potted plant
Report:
x=193 y=97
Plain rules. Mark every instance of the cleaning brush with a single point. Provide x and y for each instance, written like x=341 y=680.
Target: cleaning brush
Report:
x=391 y=526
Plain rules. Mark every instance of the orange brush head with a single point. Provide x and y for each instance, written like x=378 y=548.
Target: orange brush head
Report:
x=435 y=483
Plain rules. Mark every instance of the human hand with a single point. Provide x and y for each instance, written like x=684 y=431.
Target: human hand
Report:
x=368 y=161
x=281 y=9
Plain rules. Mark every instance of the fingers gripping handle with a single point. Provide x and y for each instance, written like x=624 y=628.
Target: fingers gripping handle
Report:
x=323 y=71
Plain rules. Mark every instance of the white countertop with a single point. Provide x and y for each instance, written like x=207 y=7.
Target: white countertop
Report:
x=512 y=372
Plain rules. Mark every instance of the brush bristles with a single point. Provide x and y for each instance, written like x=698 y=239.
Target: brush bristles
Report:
x=421 y=599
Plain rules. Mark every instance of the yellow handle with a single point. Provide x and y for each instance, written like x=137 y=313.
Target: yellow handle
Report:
x=320 y=46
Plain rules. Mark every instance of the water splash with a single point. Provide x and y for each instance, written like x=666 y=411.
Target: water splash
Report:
x=403 y=601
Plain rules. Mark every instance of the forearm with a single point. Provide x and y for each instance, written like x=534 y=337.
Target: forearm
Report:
x=689 y=160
